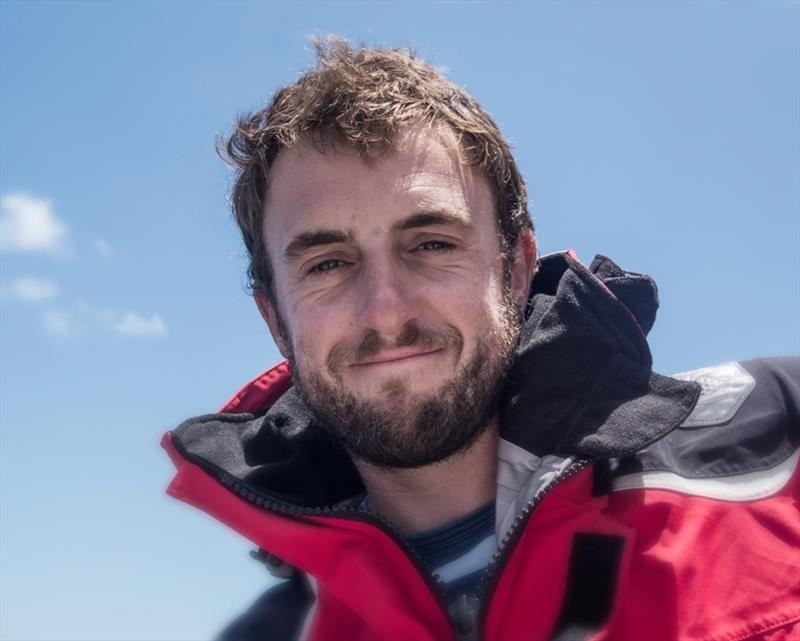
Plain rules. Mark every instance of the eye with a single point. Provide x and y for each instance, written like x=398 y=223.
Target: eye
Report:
x=326 y=266
x=434 y=246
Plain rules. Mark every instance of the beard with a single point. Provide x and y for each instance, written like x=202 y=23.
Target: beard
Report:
x=405 y=430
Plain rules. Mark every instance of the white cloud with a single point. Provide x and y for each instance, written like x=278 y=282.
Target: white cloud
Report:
x=28 y=224
x=133 y=325
x=58 y=323
x=103 y=248
x=81 y=318
x=34 y=290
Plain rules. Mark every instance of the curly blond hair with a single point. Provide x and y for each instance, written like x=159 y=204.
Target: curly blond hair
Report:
x=361 y=98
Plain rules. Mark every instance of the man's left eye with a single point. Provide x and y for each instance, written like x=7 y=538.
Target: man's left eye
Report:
x=326 y=266
x=434 y=246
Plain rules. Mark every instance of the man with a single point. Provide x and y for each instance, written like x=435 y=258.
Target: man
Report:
x=467 y=441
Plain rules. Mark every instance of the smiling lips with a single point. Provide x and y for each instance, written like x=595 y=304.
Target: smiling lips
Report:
x=396 y=356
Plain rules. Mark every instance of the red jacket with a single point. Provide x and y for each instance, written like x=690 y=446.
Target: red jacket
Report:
x=673 y=516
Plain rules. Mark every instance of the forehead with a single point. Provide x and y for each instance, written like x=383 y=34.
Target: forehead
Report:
x=337 y=188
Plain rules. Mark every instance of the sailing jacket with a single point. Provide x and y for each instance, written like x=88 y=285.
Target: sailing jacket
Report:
x=631 y=506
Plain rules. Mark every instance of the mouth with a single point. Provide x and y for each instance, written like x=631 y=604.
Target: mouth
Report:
x=396 y=357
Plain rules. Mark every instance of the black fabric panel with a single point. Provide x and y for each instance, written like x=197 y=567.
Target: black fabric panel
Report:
x=763 y=433
x=582 y=384
x=283 y=453
x=277 y=615
x=638 y=292
x=628 y=408
x=601 y=477
x=592 y=578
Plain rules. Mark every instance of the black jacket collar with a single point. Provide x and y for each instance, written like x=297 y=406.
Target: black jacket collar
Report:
x=582 y=383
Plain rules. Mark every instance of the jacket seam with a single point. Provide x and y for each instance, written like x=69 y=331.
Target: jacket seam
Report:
x=752 y=634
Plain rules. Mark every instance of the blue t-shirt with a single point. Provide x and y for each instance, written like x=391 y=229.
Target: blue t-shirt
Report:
x=459 y=551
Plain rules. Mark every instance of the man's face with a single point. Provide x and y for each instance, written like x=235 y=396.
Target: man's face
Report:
x=391 y=301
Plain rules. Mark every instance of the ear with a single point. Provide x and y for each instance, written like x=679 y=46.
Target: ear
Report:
x=524 y=266
x=270 y=315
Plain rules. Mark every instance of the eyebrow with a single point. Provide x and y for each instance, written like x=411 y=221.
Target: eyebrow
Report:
x=314 y=238
x=438 y=217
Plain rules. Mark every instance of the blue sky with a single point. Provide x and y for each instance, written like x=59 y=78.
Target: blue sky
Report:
x=662 y=134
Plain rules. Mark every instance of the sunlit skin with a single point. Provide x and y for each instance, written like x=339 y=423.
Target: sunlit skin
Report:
x=361 y=249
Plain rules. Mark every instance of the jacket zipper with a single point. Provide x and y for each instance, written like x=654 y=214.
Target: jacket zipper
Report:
x=255 y=497
x=491 y=576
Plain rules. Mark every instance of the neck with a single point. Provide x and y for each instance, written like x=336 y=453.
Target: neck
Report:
x=420 y=499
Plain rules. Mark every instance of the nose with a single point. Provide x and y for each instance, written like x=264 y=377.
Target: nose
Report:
x=387 y=301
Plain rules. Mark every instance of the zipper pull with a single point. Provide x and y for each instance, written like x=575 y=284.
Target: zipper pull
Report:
x=464 y=613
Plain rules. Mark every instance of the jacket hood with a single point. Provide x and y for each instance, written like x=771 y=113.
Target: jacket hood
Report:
x=581 y=386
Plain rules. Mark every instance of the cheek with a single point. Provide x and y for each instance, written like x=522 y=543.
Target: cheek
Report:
x=315 y=333
x=475 y=298
x=308 y=339
x=482 y=312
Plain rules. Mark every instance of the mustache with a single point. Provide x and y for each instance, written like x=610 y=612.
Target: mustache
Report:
x=412 y=335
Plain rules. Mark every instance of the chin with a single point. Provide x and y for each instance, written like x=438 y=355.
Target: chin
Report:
x=406 y=389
